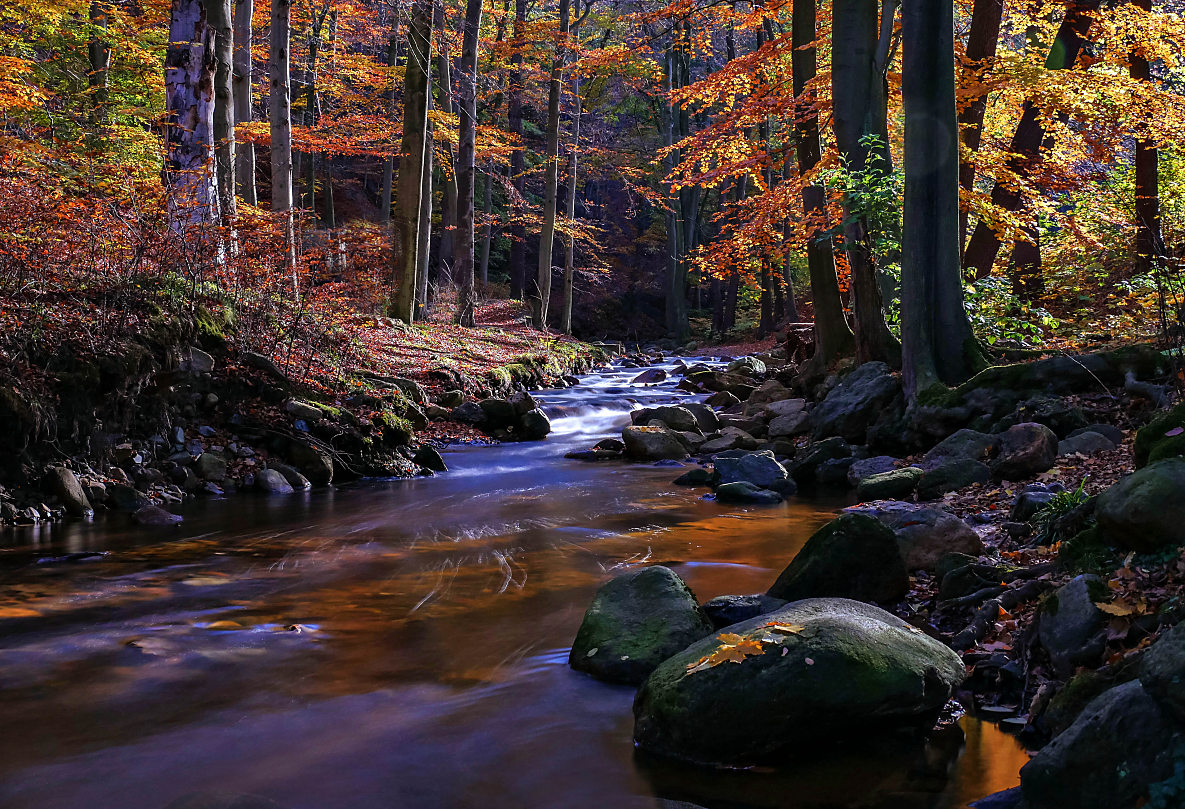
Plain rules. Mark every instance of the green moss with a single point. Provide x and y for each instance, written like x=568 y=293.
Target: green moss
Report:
x=1087 y=553
x=1171 y=447
x=937 y=395
x=1150 y=437
x=499 y=377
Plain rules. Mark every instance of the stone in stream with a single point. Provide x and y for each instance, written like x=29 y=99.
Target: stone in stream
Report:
x=789 y=425
x=758 y=468
x=1023 y=450
x=64 y=484
x=853 y=556
x=749 y=366
x=314 y=463
x=722 y=399
x=817 y=670
x=651 y=376
x=499 y=413
x=677 y=418
x=126 y=498
x=430 y=458
x=925 y=536
x=696 y=477
x=891 y=485
x=211 y=466
x=272 y=482
x=867 y=467
x=728 y=610
x=652 y=444
x=156 y=516
x=1121 y=743
x=295 y=479
x=1145 y=511
x=534 y=425
x=803 y=468
x=705 y=416
x=636 y=621
x=742 y=491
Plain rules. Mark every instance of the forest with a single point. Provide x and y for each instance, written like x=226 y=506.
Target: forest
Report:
x=698 y=403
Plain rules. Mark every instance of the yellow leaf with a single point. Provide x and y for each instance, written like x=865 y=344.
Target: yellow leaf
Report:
x=1118 y=608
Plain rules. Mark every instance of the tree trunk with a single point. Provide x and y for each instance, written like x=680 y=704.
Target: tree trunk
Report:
x=311 y=110
x=487 y=236
x=937 y=344
x=99 y=55
x=857 y=87
x=389 y=163
x=447 y=251
x=280 y=120
x=790 y=310
x=413 y=159
x=466 y=169
x=241 y=86
x=1028 y=283
x=518 y=162
x=218 y=12
x=979 y=57
x=833 y=336
x=424 y=225
x=570 y=247
x=541 y=294
x=984 y=245
x=1150 y=247
x=190 y=64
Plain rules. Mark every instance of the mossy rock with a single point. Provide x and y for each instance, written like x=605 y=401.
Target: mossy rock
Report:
x=1153 y=442
x=1145 y=511
x=853 y=556
x=816 y=670
x=636 y=621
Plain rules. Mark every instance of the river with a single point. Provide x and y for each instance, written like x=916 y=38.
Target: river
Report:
x=403 y=643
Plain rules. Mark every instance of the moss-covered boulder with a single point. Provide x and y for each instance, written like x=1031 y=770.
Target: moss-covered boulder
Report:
x=815 y=670
x=1146 y=510
x=1121 y=744
x=1024 y=450
x=893 y=485
x=652 y=444
x=950 y=476
x=857 y=402
x=1163 y=437
x=853 y=556
x=635 y=622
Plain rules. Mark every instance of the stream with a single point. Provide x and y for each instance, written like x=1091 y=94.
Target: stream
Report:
x=404 y=643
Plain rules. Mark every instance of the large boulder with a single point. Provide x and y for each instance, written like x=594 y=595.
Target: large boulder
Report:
x=1024 y=450
x=1070 y=624
x=211 y=466
x=64 y=484
x=499 y=413
x=1163 y=437
x=705 y=416
x=677 y=418
x=636 y=621
x=272 y=482
x=863 y=468
x=925 y=535
x=652 y=444
x=855 y=404
x=807 y=462
x=784 y=407
x=1122 y=742
x=1146 y=510
x=749 y=366
x=758 y=468
x=815 y=670
x=1084 y=443
x=1163 y=672
x=853 y=556
x=789 y=425
x=769 y=391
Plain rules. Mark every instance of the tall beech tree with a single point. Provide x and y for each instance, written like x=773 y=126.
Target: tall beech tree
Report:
x=833 y=336
x=978 y=58
x=280 y=122
x=219 y=13
x=1149 y=247
x=859 y=56
x=241 y=87
x=936 y=340
x=190 y=63
x=412 y=161
x=518 y=158
x=466 y=168
x=446 y=253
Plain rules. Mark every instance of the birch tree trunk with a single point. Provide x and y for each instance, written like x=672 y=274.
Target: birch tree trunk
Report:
x=412 y=161
x=241 y=86
x=541 y=294
x=280 y=120
x=466 y=170
x=189 y=104
x=219 y=14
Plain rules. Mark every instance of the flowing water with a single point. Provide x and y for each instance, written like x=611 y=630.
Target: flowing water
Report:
x=403 y=643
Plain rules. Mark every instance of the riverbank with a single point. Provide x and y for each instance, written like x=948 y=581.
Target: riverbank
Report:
x=187 y=407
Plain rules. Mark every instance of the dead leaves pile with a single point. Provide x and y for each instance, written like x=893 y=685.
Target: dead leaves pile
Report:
x=735 y=648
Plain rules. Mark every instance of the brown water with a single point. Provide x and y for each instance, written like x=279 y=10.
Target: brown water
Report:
x=402 y=644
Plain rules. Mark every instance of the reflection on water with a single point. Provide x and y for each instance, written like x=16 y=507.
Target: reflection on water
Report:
x=401 y=643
